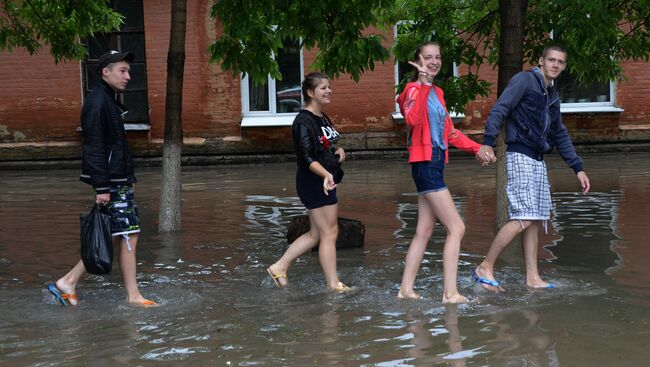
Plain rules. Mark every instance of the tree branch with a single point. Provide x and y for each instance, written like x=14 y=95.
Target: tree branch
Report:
x=481 y=21
x=37 y=14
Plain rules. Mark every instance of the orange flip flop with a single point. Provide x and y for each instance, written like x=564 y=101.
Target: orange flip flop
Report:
x=146 y=303
x=62 y=296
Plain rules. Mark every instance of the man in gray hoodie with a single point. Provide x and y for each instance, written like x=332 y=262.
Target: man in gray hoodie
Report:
x=530 y=107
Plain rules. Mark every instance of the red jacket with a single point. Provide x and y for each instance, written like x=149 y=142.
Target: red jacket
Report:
x=413 y=105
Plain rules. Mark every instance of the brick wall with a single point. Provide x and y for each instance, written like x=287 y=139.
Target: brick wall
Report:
x=633 y=94
x=476 y=112
x=211 y=102
x=41 y=101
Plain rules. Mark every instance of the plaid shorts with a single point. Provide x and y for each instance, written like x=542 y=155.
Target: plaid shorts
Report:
x=123 y=211
x=529 y=194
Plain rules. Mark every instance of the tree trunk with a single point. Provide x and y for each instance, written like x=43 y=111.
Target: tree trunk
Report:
x=169 y=217
x=511 y=59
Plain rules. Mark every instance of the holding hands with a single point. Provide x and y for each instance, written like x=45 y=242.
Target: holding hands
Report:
x=486 y=155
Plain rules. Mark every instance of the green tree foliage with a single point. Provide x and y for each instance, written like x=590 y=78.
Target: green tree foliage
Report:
x=253 y=31
x=61 y=24
x=452 y=24
x=597 y=33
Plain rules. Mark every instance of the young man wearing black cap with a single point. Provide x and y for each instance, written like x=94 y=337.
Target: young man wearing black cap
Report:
x=108 y=166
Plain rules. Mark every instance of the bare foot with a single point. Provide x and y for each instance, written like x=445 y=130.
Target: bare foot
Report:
x=69 y=290
x=410 y=294
x=455 y=298
x=539 y=284
x=340 y=288
x=278 y=275
x=140 y=301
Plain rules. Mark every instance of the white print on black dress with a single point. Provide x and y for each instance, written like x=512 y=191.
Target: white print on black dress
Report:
x=329 y=132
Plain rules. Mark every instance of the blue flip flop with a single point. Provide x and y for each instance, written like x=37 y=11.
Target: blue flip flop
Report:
x=549 y=286
x=480 y=280
x=59 y=295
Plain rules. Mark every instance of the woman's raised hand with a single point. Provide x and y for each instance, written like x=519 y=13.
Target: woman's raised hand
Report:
x=423 y=74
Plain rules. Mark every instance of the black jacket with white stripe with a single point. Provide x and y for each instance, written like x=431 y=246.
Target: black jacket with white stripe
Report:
x=107 y=159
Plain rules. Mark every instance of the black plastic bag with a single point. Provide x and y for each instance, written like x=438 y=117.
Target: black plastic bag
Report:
x=96 y=241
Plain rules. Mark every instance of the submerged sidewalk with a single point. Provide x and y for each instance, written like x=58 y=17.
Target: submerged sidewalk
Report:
x=193 y=159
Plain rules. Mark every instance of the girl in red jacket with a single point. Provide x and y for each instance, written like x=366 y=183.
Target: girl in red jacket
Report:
x=430 y=131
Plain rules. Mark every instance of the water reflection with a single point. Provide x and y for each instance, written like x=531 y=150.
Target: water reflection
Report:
x=220 y=308
x=424 y=337
x=629 y=219
x=520 y=339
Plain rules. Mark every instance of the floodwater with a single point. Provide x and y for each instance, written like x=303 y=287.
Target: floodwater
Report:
x=219 y=307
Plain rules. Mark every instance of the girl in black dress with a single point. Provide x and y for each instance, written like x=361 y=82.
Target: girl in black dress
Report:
x=318 y=173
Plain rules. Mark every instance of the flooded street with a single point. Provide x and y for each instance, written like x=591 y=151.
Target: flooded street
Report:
x=220 y=308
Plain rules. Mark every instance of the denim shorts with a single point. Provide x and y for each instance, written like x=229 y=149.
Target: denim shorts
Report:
x=428 y=175
x=123 y=211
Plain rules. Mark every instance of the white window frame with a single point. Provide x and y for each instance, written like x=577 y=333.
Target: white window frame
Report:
x=397 y=115
x=270 y=117
x=592 y=107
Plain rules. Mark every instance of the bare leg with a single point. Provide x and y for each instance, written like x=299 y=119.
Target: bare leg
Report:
x=506 y=234
x=128 y=267
x=68 y=282
x=455 y=339
x=301 y=245
x=530 y=244
x=325 y=220
x=444 y=208
x=424 y=230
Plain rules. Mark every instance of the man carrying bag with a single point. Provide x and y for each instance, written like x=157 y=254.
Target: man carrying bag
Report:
x=108 y=166
x=96 y=241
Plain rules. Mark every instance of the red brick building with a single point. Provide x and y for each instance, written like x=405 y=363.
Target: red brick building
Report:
x=40 y=101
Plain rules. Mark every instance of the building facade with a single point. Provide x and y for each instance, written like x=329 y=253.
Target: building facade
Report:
x=226 y=115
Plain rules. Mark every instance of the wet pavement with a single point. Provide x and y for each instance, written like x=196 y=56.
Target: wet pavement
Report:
x=219 y=307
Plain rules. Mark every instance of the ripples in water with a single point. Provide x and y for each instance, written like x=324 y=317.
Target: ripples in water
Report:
x=219 y=307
